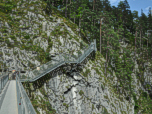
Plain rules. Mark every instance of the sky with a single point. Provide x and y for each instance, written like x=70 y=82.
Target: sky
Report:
x=136 y=5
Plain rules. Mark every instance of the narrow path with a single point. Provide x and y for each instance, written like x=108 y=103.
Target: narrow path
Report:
x=9 y=105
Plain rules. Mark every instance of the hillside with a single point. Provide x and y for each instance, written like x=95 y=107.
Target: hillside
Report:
x=87 y=90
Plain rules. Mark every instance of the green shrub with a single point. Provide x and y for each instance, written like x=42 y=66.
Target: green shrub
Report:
x=7 y=7
x=81 y=92
x=27 y=37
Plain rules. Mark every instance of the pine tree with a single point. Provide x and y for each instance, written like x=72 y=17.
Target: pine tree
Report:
x=149 y=19
x=114 y=19
x=73 y=9
x=134 y=17
x=106 y=37
x=70 y=11
x=66 y=8
x=99 y=9
x=124 y=7
x=48 y=7
x=150 y=27
x=144 y=19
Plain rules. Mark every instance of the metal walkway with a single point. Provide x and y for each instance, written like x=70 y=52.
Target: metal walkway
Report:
x=50 y=66
x=9 y=105
x=14 y=99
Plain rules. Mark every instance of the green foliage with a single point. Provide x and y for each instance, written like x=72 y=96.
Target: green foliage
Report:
x=7 y=7
x=143 y=103
x=12 y=37
x=86 y=73
x=27 y=36
x=64 y=104
x=47 y=56
x=81 y=92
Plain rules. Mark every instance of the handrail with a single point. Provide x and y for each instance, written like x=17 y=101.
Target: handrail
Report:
x=3 y=74
x=46 y=68
x=23 y=101
x=24 y=104
x=3 y=81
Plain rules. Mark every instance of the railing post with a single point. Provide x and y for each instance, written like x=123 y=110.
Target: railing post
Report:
x=19 y=74
x=90 y=50
x=79 y=59
x=95 y=45
x=18 y=95
x=59 y=58
x=5 y=80
x=2 y=82
x=1 y=85
x=2 y=71
x=8 y=77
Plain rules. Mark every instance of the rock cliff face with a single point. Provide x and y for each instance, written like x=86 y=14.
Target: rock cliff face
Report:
x=84 y=91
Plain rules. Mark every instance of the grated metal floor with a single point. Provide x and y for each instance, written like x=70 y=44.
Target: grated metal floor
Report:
x=9 y=105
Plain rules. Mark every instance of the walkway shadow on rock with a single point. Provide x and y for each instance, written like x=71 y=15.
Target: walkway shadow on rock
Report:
x=39 y=83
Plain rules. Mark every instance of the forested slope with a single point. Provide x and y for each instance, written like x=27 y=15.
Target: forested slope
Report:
x=112 y=80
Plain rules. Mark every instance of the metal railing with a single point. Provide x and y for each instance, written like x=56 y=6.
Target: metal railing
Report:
x=3 y=81
x=87 y=52
x=23 y=101
x=46 y=68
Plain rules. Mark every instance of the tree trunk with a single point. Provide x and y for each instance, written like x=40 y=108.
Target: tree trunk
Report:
x=76 y=7
x=140 y=38
x=70 y=11
x=94 y=26
x=66 y=9
x=120 y=20
x=74 y=19
x=106 y=57
x=151 y=46
x=74 y=16
x=135 y=44
x=106 y=64
x=52 y=3
x=147 y=50
x=123 y=33
x=117 y=79
x=79 y=24
x=130 y=95
x=93 y=4
x=100 y=34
